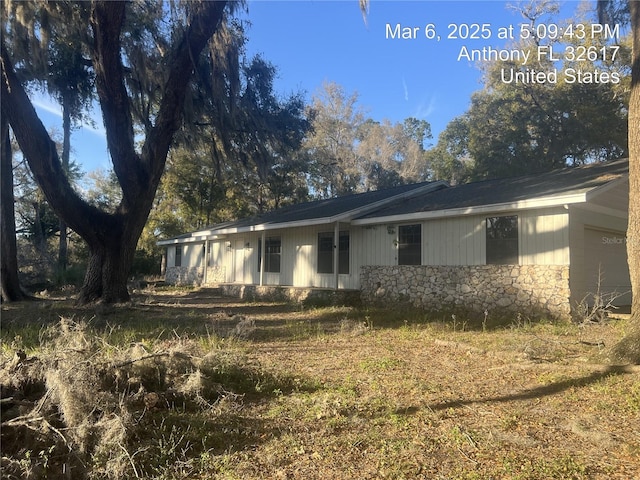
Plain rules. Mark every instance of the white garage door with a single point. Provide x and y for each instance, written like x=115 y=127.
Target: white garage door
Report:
x=606 y=260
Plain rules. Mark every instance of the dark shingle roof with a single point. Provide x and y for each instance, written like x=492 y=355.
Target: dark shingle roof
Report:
x=330 y=207
x=440 y=197
x=566 y=181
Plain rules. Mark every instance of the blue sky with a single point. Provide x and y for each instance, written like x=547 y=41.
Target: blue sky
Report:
x=311 y=42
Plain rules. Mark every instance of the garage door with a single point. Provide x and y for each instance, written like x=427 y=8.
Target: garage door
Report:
x=606 y=260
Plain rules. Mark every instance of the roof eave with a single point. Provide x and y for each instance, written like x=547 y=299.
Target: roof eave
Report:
x=543 y=202
x=347 y=216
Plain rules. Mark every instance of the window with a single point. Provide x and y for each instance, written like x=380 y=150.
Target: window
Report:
x=178 y=262
x=325 y=252
x=410 y=244
x=502 y=240
x=272 y=246
x=343 y=253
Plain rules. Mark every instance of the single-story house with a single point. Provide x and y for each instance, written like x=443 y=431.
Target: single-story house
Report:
x=542 y=243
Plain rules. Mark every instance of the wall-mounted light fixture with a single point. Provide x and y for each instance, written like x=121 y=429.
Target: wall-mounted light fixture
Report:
x=247 y=245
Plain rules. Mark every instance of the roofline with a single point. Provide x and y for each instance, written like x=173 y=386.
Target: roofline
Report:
x=192 y=239
x=596 y=191
x=543 y=202
x=208 y=234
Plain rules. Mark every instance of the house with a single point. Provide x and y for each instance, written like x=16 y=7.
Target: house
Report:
x=537 y=243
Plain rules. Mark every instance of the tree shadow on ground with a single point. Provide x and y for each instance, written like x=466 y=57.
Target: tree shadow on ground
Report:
x=539 y=392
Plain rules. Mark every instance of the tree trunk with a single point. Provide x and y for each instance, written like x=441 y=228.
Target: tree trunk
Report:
x=11 y=290
x=628 y=349
x=111 y=237
x=107 y=272
x=66 y=152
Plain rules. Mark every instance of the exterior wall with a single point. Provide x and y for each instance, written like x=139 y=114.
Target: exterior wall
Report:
x=543 y=236
x=532 y=290
x=581 y=220
x=305 y=296
x=237 y=257
x=184 y=275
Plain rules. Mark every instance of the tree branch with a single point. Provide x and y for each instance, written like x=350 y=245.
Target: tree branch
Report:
x=42 y=156
x=204 y=22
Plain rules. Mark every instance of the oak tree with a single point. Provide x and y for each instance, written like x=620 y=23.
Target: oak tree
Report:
x=111 y=236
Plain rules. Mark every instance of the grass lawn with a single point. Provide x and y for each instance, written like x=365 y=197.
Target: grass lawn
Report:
x=189 y=385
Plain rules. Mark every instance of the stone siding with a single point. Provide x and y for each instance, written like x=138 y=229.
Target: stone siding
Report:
x=215 y=275
x=183 y=275
x=532 y=290
x=303 y=296
x=194 y=275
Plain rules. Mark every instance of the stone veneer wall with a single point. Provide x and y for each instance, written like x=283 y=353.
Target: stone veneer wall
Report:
x=215 y=274
x=532 y=290
x=183 y=275
x=305 y=296
x=193 y=275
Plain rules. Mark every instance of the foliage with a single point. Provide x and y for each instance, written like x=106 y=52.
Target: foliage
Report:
x=351 y=153
x=126 y=43
x=516 y=128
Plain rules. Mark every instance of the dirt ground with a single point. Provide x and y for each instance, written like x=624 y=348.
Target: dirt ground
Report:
x=343 y=393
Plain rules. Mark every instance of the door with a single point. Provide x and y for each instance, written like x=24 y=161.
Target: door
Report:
x=238 y=261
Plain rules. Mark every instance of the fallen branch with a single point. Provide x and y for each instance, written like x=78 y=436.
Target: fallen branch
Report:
x=139 y=359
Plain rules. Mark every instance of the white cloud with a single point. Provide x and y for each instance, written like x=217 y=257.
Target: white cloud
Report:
x=425 y=108
x=44 y=103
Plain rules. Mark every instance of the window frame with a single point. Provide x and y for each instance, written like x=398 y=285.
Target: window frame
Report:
x=325 y=256
x=502 y=248
x=177 y=258
x=273 y=249
x=410 y=253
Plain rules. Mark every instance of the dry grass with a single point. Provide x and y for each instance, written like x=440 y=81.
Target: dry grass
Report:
x=183 y=385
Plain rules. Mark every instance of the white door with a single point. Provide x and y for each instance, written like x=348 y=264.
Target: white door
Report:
x=238 y=261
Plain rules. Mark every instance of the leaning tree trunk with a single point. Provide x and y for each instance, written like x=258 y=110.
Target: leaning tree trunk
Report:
x=111 y=237
x=11 y=290
x=628 y=349
x=66 y=153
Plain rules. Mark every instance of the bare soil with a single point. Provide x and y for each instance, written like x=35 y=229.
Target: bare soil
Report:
x=343 y=393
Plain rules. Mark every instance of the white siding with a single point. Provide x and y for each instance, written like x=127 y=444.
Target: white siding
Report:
x=171 y=256
x=543 y=240
x=544 y=237
x=375 y=245
x=454 y=241
x=192 y=255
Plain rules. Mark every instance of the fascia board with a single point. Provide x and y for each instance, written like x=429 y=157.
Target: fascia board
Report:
x=543 y=202
x=342 y=217
x=591 y=207
x=591 y=194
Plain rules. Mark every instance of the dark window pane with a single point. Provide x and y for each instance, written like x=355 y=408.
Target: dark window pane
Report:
x=410 y=245
x=502 y=240
x=272 y=246
x=325 y=252
x=343 y=253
